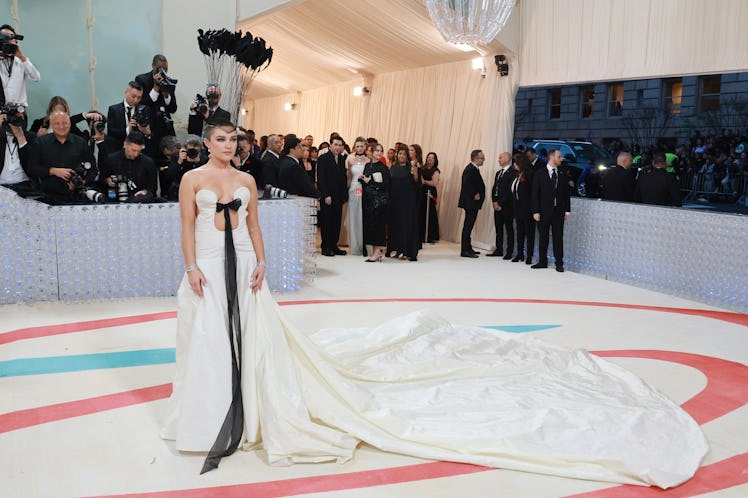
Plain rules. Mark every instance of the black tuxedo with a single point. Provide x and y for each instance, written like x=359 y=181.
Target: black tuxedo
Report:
x=161 y=123
x=116 y=122
x=552 y=202
x=105 y=148
x=501 y=193
x=658 y=187
x=146 y=81
x=472 y=183
x=331 y=182
x=522 y=205
x=293 y=178
x=196 y=122
x=269 y=170
x=619 y=184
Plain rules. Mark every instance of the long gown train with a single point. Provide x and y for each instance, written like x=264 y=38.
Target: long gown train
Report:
x=416 y=385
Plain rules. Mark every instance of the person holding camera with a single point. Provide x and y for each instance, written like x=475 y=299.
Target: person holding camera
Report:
x=14 y=154
x=204 y=108
x=100 y=145
x=291 y=175
x=15 y=68
x=63 y=164
x=130 y=175
x=158 y=96
x=188 y=158
x=121 y=116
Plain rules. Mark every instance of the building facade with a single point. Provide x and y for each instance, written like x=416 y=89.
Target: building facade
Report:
x=644 y=112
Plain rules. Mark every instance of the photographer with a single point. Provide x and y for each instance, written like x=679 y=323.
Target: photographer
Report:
x=204 y=108
x=121 y=116
x=169 y=147
x=130 y=176
x=15 y=68
x=63 y=164
x=244 y=161
x=158 y=96
x=189 y=157
x=14 y=153
x=100 y=145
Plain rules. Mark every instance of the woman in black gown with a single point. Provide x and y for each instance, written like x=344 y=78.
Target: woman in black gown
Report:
x=430 y=180
x=376 y=181
x=521 y=193
x=403 y=229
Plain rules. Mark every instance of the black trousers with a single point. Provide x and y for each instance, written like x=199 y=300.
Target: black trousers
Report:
x=525 y=229
x=329 y=224
x=555 y=223
x=467 y=228
x=503 y=220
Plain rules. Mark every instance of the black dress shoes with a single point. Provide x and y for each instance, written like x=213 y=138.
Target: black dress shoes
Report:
x=468 y=255
x=560 y=268
x=507 y=257
x=339 y=252
x=539 y=265
x=518 y=258
x=528 y=261
x=327 y=252
x=495 y=253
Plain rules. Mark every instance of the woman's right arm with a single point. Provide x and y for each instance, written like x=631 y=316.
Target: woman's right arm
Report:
x=187 y=214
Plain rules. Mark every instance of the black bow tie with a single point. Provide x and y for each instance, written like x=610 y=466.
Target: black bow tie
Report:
x=233 y=205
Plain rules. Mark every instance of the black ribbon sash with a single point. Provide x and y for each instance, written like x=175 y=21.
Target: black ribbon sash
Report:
x=232 y=428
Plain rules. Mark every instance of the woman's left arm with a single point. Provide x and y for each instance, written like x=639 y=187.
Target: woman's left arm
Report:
x=253 y=226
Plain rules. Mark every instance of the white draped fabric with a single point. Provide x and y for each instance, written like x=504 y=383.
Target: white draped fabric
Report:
x=569 y=41
x=448 y=109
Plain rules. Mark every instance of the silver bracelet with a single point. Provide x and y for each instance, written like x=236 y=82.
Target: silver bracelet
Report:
x=261 y=262
x=191 y=268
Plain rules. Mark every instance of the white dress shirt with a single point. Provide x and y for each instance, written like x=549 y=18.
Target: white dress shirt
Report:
x=12 y=172
x=14 y=84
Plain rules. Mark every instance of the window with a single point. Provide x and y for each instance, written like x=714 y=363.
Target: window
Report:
x=672 y=95
x=639 y=99
x=615 y=100
x=529 y=107
x=554 y=102
x=709 y=90
x=587 y=100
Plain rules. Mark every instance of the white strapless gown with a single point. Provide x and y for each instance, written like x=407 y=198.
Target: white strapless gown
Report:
x=416 y=385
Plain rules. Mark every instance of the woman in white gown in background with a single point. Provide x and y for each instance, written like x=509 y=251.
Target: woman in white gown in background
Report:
x=415 y=385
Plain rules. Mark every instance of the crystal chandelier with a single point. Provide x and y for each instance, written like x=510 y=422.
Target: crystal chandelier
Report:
x=472 y=22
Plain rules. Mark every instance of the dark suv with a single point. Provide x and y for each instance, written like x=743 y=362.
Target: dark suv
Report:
x=583 y=159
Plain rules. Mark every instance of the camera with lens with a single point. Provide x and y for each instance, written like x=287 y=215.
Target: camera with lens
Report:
x=239 y=150
x=167 y=82
x=80 y=172
x=14 y=113
x=274 y=193
x=192 y=153
x=142 y=115
x=98 y=126
x=201 y=104
x=8 y=49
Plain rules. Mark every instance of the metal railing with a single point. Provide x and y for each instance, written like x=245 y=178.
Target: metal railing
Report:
x=709 y=186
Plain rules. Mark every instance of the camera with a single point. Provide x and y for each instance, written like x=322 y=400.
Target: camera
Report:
x=142 y=115
x=14 y=113
x=274 y=193
x=239 y=150
x=8 y=49
x=202 y=104
x=98 y=126
x=82 y=171
x=192 y=153
x=168 y=83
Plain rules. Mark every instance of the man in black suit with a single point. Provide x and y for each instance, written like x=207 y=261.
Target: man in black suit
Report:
x=100 y=145
x=472 y=195
x=119 y=119
x=551 y=206
x=292 y=177
x=658 y=186
x=244 y=160
x=197 y=119
x=269 y=162
x=333 y=189
x=503 y=214
x=160 y=100
x=536 y=162
x=619 y=182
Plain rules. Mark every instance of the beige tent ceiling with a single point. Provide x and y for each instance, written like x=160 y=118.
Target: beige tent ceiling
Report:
x=317 y=43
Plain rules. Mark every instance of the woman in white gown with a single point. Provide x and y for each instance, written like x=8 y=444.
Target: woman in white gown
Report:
x=416 y=385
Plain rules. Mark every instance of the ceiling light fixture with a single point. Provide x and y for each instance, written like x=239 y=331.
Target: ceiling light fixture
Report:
x=471 y=22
